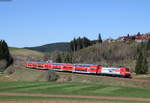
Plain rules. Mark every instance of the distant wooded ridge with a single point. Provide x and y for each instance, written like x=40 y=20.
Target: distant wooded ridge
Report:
x=61 y=46
x=73 y=45
x=80 y=43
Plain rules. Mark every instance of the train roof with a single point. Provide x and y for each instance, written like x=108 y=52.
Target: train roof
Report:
x=110 y=67
x=83 y=65
x=40 y=62
x=57 y=63
x=37 y=62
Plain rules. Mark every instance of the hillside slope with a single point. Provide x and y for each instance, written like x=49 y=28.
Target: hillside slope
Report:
x=25 y=52
x=61 y=46
x=22 y=55
x=18 y=71
x=110 y=54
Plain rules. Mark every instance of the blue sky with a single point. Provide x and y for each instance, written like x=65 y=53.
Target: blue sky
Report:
x=36 y=22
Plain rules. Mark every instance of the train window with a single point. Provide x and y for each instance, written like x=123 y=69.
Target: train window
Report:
x=81 y=65
x=67 y=67
x=92 y=68
x=80 y=70
x=56 y=68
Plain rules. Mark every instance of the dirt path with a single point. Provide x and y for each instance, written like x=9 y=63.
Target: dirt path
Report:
x=51 y=102
x=78 y=96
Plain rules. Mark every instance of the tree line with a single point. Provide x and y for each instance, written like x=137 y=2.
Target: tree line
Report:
x=75 y=45
x=80 y=43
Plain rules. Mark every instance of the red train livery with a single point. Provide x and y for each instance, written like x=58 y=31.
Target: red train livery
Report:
x=81 y=68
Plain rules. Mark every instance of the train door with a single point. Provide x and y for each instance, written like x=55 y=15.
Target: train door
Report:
x=57 y=66
x=34 y=65
x=99 y=69
x=67 y=67
x=47 y=66
x=93 y=69
x=81 y=68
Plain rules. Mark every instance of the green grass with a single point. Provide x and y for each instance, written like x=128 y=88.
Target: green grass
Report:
x=143 y=76
x=95 y=79
x=28 y=75
x=70 y=88
x=25 y=52
x=21 y=75
x=13 y=48
x=29 y=98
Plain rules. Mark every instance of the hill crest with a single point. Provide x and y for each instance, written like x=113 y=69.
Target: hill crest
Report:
x=59 y=46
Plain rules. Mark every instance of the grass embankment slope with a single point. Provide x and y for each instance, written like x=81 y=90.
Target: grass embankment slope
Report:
x=138 y=81
x=20 y=72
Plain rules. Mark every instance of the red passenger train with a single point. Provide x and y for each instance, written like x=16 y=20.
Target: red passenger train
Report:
x=81 y=68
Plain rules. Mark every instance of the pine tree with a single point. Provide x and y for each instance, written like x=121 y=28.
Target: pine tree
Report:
x=145 y=66
x=4 y=51
x=148 y=45
x=142 y=64
x=71 y=46
x=1 y=50
x=139 y=63
x=99 y=38
x=138 y=34
x=86 y=42
x=5 y=55
x=79 y=43
x=74 y=44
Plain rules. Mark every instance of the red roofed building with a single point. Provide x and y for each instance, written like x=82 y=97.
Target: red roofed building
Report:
x=141 y=37
x=137 y=38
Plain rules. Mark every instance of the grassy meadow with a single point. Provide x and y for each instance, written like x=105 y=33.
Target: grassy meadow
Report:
x=70 y=88
x=28 y=98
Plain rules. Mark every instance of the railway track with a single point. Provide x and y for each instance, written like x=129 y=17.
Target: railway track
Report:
x=109 y=77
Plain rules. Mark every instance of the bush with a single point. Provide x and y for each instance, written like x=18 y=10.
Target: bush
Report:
x=51 y=76
x=10 y=70
x=3 y=65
